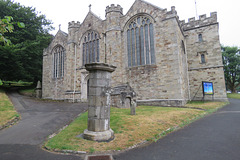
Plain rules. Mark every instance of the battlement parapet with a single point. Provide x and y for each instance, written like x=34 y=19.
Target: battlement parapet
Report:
x=73 y=24
x=170 y=14
x=113 y=8
x=202 y=21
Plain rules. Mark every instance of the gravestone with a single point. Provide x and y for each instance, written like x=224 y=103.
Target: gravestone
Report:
x=38 y=90
x=122 y=96
x=99 y=101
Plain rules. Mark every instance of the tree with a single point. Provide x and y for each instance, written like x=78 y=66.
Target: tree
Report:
x=6 y=25
x=23 y=59
x=231 y=62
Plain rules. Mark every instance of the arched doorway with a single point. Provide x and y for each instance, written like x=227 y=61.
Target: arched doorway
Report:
x=84 y=86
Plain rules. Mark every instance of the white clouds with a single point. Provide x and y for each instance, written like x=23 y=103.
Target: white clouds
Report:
x=62 y=12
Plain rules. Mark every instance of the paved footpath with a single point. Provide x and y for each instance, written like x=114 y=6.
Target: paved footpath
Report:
x=215 y=137
x=39 y=119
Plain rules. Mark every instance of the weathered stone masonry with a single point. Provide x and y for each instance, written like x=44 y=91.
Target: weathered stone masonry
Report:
x=163 y=59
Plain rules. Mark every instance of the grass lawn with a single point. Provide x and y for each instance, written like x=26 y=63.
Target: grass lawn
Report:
x=7 y=111
x=233 y=95
x=149 y=124
x=8 y=84
x=207 y=105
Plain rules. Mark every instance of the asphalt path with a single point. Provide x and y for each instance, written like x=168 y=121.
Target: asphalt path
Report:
x=39 y=119
x=215 y=137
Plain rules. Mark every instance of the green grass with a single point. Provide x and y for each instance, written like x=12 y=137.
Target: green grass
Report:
x=149 y=124
x=7 y=111
x=233 y=95
x=7 y=84
x=206 y=105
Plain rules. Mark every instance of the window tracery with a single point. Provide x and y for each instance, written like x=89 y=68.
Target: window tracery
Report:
x=90 y=47
x=140 y=42
x=58 y=62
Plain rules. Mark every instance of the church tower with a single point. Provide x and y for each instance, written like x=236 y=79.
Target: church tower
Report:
x=113 y=41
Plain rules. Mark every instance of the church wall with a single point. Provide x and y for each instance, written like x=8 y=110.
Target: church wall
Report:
x=214 y=75
x=46 y=77
x=208 y=44
x=53 y=88
x=70 y=67
x=175 y=75
x=158 y=84
x=77 y=73
x=183 y=66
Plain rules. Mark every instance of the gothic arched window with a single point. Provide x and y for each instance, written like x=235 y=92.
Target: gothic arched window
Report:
x=140 y=41
x=58 y=61
x=90 y=47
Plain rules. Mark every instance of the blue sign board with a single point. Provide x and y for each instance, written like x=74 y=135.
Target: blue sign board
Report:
x=207 y=88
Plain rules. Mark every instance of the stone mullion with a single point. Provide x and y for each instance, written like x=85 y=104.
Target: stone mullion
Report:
x=61 y=63
x=56 y=64
x=83 y=55
x=142 y=45
x=58 y=61
x=90 y=52
x=86 y=53
x=128 y=48
x=97 y=50
x=133 y=47
x=137 y=46
x=152 y=53
x=53 y=66
x=149 y=46
x=93 y=51
x=63 y=58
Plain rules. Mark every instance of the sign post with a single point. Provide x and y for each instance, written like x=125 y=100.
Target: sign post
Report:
x=207 y=89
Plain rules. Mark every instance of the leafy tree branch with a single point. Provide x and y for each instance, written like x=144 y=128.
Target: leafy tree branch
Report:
x=231 y=62
x=6 y=25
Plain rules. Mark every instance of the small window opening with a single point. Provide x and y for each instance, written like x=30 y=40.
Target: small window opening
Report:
x=203 y=60
x=183 y=47
x=200 y=39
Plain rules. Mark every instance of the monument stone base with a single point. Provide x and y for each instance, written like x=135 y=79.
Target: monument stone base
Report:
x=104 y=136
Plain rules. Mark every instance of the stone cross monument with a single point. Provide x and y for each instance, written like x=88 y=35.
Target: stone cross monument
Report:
x=99 y=101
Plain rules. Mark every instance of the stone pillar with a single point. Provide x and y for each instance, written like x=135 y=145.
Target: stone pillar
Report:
x=99 y=101
x=39 y=90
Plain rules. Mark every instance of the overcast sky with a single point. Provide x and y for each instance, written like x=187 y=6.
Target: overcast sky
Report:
x=64 y=11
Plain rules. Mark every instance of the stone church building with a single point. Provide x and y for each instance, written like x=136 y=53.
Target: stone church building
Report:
x=162 y=58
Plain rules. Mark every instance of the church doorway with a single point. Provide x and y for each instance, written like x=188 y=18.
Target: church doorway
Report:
x=84 y=87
